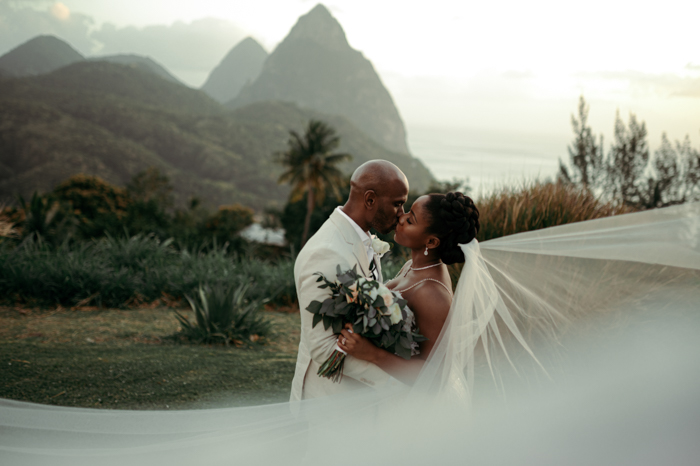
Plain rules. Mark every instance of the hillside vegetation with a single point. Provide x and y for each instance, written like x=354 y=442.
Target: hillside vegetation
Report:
x=114 y=121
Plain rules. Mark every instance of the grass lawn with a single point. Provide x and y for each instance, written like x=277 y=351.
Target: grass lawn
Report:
x=121 y=359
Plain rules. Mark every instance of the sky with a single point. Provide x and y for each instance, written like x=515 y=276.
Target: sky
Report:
x=509 y=69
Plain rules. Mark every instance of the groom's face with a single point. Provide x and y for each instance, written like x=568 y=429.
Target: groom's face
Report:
x=390 y=207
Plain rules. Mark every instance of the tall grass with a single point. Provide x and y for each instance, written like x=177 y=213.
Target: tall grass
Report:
x=115 y=272
x=538 y=205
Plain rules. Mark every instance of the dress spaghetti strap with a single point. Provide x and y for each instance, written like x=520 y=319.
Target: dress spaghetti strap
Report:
x=423 y=281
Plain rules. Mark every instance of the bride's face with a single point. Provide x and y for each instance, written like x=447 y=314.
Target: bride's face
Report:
x=411 y=229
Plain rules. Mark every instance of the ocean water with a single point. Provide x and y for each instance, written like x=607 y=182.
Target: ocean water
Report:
x=489 y=159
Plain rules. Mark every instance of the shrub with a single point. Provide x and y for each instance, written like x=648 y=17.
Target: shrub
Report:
x=99 y=206
x=223 y=314
x=115 y=271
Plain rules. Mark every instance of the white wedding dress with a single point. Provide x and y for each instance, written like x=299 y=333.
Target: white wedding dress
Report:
x=577 y=344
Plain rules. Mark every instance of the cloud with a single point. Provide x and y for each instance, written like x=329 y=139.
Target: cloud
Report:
x=692 y=67
x=20 y=23
x=668 y=85
x=189 y=50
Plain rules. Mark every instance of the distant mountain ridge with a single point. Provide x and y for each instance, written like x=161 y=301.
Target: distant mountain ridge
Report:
x=40 y=55
x=315 y=67
x=113 y=121
x=146 y=63
x=239 y=67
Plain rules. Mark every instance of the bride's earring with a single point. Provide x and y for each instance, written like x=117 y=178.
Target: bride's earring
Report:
x=426 y=251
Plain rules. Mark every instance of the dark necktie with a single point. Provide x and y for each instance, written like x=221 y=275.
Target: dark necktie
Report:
x=373 y=268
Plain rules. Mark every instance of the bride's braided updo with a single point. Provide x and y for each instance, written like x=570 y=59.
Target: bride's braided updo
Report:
x=455 y=220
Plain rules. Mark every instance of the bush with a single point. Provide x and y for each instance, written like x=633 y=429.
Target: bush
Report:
x=224 y=315
x=98 y=206
x=225 y=224
x=115 y=272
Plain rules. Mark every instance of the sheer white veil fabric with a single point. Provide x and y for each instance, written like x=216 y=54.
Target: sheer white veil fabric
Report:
x=589 y=329
x=473 y=319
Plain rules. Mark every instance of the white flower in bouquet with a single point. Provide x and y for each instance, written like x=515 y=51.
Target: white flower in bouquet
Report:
x=383 y=292
x=410 y=319
x=380 y=247
x=395 y=313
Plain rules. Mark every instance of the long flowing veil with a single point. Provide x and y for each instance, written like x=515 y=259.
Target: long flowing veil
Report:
x=571 y=345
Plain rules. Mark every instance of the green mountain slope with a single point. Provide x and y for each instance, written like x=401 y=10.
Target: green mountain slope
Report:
x=315 y=67
x=239 y=67
x=40 y=55
x=139 y=61
x=113 y=121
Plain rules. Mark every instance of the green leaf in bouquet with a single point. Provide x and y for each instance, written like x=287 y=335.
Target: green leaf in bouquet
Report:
x=327 y=322
x=327 y=306
x=317 y=318
x=386 y=340
x=314 y=307
x=347 y=278
x=371 y=322
x=337 y=325
x=358 y=328
x=372 y=312
x=365 y=323
x=378 y=302
x=400 y=350
x=377 y=328
x=385 y=323
x=417 y=337
x=405 y=342
x=343 y=308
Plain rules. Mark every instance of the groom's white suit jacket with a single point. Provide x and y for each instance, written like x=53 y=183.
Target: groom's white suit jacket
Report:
x=335 y=243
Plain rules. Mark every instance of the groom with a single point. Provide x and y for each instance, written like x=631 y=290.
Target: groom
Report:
x=378 y=191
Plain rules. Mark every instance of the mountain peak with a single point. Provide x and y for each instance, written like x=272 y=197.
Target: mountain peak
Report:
x=315 y=67
x=319 y=26
x=39 y=55
x=241 y=65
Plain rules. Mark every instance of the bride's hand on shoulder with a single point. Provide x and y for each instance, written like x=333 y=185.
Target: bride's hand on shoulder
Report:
x=355 y=345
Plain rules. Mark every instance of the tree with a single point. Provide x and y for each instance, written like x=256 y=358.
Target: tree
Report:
x=311 y=167
x=675 y=175
x=150 y=199
x=627 y=161
x=227 y=222
x=585 y=155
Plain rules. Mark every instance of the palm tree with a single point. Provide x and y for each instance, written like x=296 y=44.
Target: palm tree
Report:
x=311 y=167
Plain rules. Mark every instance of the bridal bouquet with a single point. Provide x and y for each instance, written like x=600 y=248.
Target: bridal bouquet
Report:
x=375 y=312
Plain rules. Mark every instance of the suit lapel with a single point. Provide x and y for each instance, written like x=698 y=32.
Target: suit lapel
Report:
x=352 y=238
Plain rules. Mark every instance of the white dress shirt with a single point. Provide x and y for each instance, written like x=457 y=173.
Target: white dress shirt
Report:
x=364 y=236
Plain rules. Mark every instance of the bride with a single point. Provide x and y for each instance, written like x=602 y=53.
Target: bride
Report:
x=588 y=330
x=433 y=230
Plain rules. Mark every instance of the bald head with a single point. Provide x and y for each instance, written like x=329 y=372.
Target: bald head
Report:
x=376 y=175
x=378 y=191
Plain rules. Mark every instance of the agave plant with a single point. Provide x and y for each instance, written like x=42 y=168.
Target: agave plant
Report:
x=224 y=314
